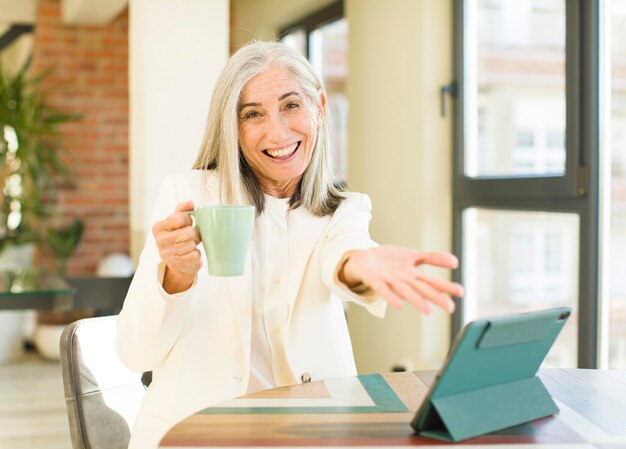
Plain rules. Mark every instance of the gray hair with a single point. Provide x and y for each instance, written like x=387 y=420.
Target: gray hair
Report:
x=220 y=147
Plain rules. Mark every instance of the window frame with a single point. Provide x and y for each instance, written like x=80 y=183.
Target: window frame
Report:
x=318 y=19
x=577 y=191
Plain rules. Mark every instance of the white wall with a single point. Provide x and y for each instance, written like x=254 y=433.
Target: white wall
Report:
x=400 y=154
x=15 y=55
x=177 y=50
x=14 y=12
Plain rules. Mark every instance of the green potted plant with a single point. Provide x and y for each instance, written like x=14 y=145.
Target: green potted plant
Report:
x=31 y=157
x=32 y=165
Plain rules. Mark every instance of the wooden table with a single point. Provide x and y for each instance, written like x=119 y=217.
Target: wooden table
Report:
x=375 y=410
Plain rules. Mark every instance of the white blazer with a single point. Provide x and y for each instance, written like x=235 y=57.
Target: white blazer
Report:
x=197 y=342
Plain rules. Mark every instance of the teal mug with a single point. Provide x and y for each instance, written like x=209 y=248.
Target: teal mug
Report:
x=226 y=232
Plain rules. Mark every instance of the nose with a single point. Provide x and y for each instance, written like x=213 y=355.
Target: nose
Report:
x=277 y=128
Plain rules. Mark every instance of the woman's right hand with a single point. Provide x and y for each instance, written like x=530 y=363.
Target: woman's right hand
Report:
x=177 y=241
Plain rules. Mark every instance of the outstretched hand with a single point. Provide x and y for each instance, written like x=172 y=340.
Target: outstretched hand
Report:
x=393 y=272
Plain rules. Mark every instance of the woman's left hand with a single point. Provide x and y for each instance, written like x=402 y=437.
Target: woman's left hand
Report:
x=393 y=272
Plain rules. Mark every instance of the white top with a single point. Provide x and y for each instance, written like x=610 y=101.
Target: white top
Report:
x=270 y=308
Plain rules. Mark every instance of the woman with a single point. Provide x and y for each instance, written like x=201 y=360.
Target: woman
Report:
x=208 y=339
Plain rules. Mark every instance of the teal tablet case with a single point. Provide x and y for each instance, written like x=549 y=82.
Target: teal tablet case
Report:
x=488 y=382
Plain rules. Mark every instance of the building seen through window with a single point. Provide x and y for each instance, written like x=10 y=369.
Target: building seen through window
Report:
x=517 y=261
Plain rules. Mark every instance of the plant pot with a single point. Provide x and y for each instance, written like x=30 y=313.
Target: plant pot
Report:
x=50 y=326
x=12 y=322
x=11 y=337
x=47 y=339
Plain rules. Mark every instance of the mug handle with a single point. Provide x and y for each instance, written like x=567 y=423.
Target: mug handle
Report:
x=192 y=213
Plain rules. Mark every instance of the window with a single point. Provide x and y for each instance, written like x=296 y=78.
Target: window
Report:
x=323 y=39
x=614 y=101
x=516 y=71
x=525 y=139
x=526 y=166
x=517 y=261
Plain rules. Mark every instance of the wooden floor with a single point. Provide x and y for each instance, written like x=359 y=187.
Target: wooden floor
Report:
x=32 y=408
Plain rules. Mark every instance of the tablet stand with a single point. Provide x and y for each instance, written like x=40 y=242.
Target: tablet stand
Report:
x=477 y=412
x=490 y=382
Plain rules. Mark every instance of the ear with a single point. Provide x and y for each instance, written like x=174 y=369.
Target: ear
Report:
x=321 y=109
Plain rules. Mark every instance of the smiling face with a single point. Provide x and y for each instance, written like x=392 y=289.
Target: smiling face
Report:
x=277 y=130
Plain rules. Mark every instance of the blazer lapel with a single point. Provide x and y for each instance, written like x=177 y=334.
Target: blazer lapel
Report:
x=305 y=230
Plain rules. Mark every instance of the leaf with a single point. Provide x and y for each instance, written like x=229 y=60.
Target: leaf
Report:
x=42 y=159
x=63 y=241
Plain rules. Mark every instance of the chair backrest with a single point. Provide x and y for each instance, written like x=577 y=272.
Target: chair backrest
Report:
x=102 y=396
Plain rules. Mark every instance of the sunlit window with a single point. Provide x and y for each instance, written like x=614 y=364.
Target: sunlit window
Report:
x=616 y=247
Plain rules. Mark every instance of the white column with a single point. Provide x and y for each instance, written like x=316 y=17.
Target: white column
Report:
x=177 y=51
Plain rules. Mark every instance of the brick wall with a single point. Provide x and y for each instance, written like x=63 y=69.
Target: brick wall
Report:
x=91 y=78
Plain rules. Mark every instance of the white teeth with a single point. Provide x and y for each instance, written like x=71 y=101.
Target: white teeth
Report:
x=283 y=152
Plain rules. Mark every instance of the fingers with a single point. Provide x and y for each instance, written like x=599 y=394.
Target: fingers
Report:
x=179 y=219
x=178 y=249
x=383 y=290
x=427 y=293
x=183 y=257
x=448 y=287
x=441 y=259
x=417 y=289
x=189 y=263
x=438 y=259
x=406 y=288
x=412 y=296
x=185 y=206
x=392 y=272
x=169 y=239
x=177 y=240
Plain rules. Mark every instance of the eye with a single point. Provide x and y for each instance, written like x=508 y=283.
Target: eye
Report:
x=292 y=105
x=250 y=115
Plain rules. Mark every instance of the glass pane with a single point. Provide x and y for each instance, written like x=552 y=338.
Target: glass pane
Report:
x=521 y=261
x=296 y=39
x=515 y=104
x=617 y=245
x=329 y=55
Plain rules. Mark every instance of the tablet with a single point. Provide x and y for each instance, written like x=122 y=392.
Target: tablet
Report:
x=489 y=381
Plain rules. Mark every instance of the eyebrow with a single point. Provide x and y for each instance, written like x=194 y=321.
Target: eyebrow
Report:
x=281 y=98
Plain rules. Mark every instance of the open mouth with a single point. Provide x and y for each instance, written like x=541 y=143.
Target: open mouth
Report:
x=284 y=153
